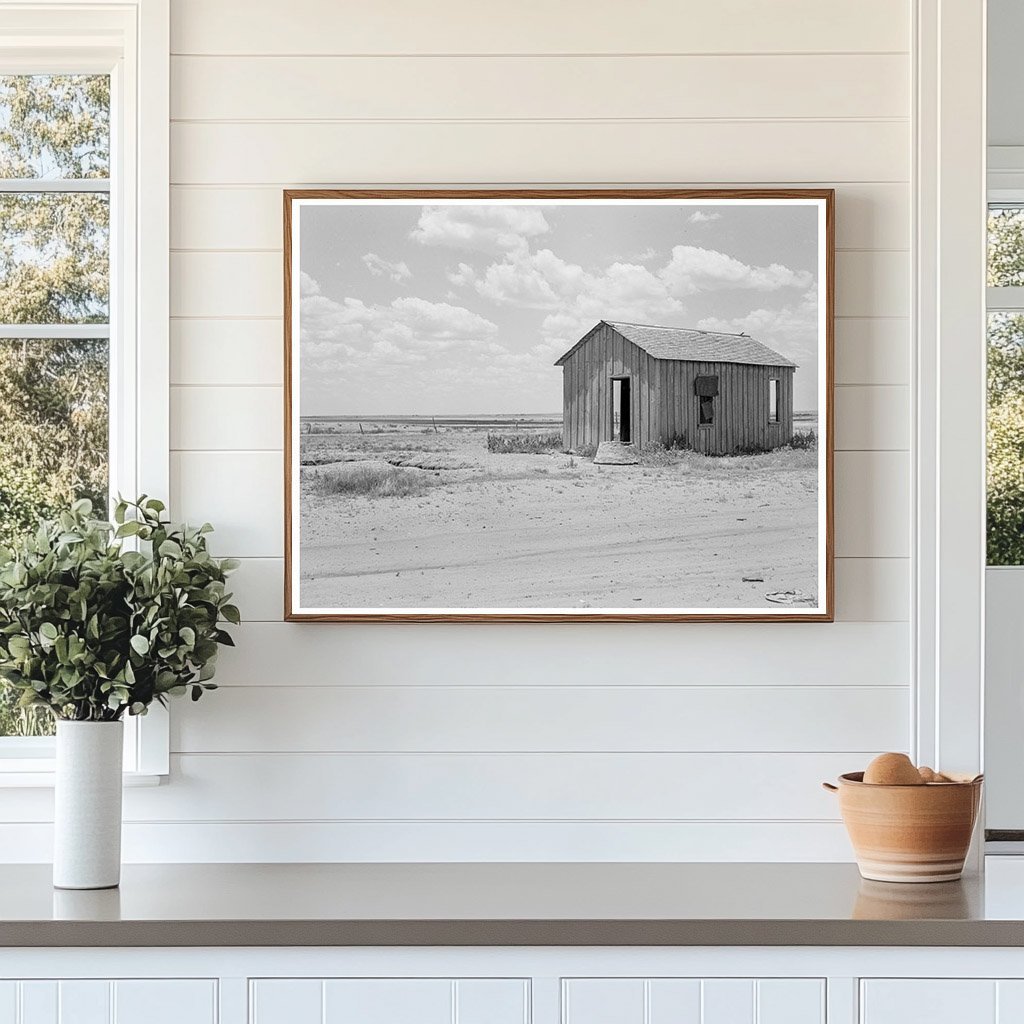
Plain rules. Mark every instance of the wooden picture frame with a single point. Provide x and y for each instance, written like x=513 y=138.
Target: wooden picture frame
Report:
x=674 y=350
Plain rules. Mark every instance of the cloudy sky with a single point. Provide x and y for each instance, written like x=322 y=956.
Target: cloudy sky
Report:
x=463 y=309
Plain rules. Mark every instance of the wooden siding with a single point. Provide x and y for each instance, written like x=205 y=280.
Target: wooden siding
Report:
x=664 y=405
x=587 y=389
x=741 y=408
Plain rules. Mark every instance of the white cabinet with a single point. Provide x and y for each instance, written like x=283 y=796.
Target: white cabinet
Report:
x=389 y=1001
x=942 y=1001
x=142 y=1001
x=693 y=1001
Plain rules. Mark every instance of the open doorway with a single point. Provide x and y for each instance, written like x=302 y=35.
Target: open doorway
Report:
x=620 y=410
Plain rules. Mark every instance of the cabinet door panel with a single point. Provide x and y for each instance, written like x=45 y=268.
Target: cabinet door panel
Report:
x=388 y=1001
x=84 y=1002
x=286 y=1001
x=790 y=1001
x=693 y=1001
x=728 y=1001
x=603 y=1001
x=165 y=1002
x=39 y=1002
x=675 y=1001
x=8 y=1002
x=492 y=1001
x=935 y=1001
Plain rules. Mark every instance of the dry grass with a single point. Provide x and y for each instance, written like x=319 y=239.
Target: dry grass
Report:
x=524 y=444
x=374 y=481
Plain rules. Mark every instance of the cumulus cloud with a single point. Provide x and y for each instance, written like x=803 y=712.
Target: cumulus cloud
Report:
x=490 y=229
x=380 y=267
x=791 y=329
x=340 y=336
x=702 y=217
x=692 y=270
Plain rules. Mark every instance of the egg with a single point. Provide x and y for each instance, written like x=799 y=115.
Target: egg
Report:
x=893 y=770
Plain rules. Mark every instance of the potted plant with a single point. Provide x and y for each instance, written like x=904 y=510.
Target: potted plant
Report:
x=99 y=620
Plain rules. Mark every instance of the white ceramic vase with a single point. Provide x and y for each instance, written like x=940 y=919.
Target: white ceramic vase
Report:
x=87 y=807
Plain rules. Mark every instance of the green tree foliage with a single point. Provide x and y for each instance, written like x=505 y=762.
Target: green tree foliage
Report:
x=1005 y=394
x=54 y=269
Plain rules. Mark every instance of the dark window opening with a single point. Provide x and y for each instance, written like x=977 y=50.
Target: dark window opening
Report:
x=706 y=390
x=707 y=410
x=773 y=401
x=620 y=410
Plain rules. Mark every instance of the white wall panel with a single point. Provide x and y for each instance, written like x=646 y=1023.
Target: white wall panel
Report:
x=729 y=152
x=228 y=352
x=239 y=492
x=550 y=717
x=584 y=654
x=468 y=787
x=872 y=350
x=461 y=26
x=872 y=504
x=871 y=418
x=212 y=418
x=868 y=215
x=597 y=86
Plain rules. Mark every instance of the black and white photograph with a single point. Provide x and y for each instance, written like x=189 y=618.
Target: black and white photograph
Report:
x=569 y=406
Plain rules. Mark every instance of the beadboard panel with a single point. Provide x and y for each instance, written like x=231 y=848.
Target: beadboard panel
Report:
x=579 y=719
x=729 y=152
x=461 y=26
x=867 y=589
x=250 y=418
x=231 y=284
x=142 y=1001
x=242 y=493
x=693 y=1001
x=538 y=88
x=868 y=216
x=155 y=842
x=475 y=786
x=389 y=1000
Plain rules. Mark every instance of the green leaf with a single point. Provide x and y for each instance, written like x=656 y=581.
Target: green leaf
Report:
x=140 y=644
x=48 y=631
x=232 y=614
x=170 y=549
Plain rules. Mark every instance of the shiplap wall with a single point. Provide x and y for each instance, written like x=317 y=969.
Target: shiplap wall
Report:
x=683 y=741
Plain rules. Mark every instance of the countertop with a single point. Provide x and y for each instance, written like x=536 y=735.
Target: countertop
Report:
x=560 y=904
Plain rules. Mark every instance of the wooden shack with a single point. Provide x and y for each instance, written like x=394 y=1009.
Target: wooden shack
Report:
x=720 y=394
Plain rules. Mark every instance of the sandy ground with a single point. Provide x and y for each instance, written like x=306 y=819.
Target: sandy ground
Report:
x=550 y=530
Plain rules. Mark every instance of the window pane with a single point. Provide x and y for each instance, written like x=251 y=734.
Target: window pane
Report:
x=1005 y=246
x=54 y=126
x=54 y=258
x=53 y=449
x=1006 y=439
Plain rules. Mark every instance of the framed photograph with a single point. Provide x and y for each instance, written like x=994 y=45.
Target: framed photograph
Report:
x=558 y=405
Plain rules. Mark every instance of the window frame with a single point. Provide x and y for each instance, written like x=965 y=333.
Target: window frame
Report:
x=774 y=417
x=130 y=41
